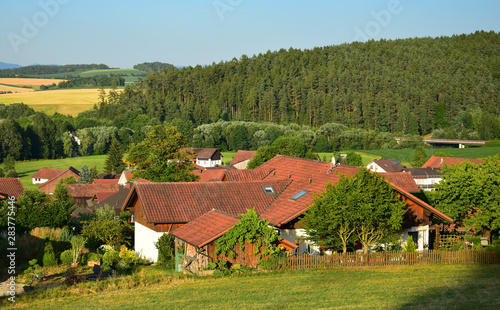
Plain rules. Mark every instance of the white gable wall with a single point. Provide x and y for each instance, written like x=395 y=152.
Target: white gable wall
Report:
x=144 y=240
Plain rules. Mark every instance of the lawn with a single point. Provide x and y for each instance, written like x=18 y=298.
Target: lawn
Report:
x=26 y=169
x=459 y=286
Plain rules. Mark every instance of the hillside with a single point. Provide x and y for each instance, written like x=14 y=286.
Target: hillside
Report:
x=4 y=65
x=410 y=86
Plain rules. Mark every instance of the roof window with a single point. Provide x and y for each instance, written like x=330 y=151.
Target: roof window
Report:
x=395 y=162
x=268 y=190
x=299 y=194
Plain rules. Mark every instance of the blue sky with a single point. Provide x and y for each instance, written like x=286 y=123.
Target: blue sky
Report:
x=124 y=33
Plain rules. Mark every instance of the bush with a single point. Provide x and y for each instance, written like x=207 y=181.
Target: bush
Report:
x=103 y=249
x=166 y=250
x=409 y=246
x=77 y=244
x=93 y=257
x=67 y=257
x=111 y=258
x=49 y=258
x=11 y=174
x=65 y=235
x=128 y=256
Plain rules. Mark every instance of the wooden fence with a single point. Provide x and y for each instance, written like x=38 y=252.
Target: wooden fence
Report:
x=380 y=259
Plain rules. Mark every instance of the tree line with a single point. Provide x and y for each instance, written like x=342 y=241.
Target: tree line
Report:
x=93 y=81
x=49 y=69
x=153 y=66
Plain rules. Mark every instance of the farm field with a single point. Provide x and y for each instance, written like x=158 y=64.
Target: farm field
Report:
x=28 y=81
x=15 y=89
x=457 y=286
x=26 y=169
x=63 y=101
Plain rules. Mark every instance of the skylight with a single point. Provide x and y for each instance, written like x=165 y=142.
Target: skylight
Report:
x=268 y=190
x=299 y=194
x=395 y=162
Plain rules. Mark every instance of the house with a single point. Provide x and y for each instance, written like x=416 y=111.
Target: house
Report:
x=49 y=186
x=385 y=165
x=163 y=207
x=198 y=237
x=83 y=192
x=45 y=174
x=425 y=178
x=10 y=187
x=439 y=162
x=115 y=200
x=205 y=157
x=242 y=158
x=125 y=177
x=310 y=177
x=107 y=176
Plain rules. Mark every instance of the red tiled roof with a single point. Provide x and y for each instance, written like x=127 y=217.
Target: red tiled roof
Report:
x=46 y=173
x=206 y=228
x=201 y=153
x=242 y=156
x=439 y=162
x=389 y=165
x=100 y=196
x=183 y=202
x=50 y=185
x=212 y=175
x=89 y=190
x=247 y=174
x=312 y=176
x=307 y=175
x=438 y=214
x=105 y=181
x=10 y=187
x=109 y=175
x=403 y=180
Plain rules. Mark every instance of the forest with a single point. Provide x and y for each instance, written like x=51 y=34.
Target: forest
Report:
x=410 y=86
x=153 y=66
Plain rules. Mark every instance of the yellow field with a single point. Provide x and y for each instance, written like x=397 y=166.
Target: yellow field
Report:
x=15 y=89
x=63 y=101
x=29 y=81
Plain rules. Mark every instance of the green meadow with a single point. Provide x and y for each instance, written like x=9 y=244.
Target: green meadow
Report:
x=458 y=286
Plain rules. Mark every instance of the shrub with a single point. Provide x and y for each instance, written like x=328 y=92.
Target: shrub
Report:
x=11 y=174
x=49 y=258
x=409 y=246
x=65 y=235
x=166 y=250
x=94 y=257
x=77 y=244
x=67 y=257
x=103 y=249
x=128 y=256
x=111 y=258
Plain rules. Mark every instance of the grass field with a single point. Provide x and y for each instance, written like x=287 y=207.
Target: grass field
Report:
x=461 y=286
x=26 y=169
x=64 y=101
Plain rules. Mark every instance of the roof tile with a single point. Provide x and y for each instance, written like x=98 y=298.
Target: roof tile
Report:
x=10 y=187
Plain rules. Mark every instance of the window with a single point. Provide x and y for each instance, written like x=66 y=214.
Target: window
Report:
x=395 y=162
x=268 y=189
x=299 y=194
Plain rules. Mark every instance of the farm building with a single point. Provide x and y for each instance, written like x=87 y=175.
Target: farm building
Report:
x=205 y=157
x=49 y=186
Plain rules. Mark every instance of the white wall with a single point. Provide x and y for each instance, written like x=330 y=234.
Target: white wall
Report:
x=39 y=181
x=423 y=235
x=144 y=239
x=375 y=168
x=208 y=162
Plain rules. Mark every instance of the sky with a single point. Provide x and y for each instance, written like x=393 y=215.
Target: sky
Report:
x=124 y=33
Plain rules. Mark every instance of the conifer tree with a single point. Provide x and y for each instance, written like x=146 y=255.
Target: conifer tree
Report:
x=114 y=161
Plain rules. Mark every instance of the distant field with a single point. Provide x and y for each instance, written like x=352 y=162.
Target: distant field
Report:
x=26 y=169
x=110 y=71
x=15 y=89
x=64 y=101
x=28 y=81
